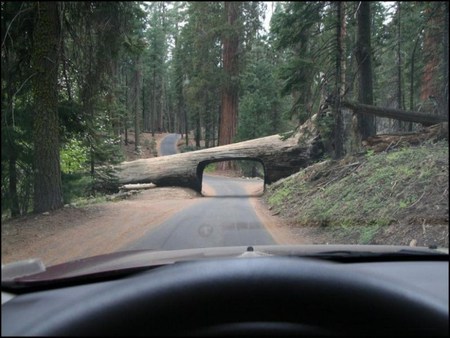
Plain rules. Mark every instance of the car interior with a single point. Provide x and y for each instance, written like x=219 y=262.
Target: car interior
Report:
x=256 y=293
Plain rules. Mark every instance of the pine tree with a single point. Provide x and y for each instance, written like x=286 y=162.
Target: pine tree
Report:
x=45 y=62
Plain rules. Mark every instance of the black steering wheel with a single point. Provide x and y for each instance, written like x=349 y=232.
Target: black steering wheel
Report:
x=248 y=296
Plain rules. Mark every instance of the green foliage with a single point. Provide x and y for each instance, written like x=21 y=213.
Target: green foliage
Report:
x=291 y=29
x=280 y=194
x=74 y=157
x=282 y=75
x=370 y=153
x=261 y=107
x=210 y=168
x=75 y=186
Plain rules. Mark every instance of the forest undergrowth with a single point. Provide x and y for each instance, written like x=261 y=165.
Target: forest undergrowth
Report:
x=398 y=197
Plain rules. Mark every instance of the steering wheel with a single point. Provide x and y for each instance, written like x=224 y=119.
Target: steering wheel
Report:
x=248 y=296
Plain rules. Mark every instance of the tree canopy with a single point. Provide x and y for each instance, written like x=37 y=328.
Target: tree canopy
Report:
x=76 y=82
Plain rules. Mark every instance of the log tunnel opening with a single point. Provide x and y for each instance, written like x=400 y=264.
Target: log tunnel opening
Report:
x=254 y=172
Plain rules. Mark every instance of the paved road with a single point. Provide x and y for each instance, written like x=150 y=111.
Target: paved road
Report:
x=169 y=144
x=232 y=186
x=213 y=221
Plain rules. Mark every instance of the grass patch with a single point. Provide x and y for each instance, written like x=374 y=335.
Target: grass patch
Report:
x=210 y=168
x=358 y=197
x=280 y=195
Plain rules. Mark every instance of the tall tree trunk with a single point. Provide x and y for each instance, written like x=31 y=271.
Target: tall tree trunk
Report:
x=164 y=123
x=338 y=130
x=45 y=60
x=159 y=107
x=90 y=83
x=399 y=58
x=411 y=84
x=207 y=119
x=14 y=207
x=125 y=115
x=145 y=112
x=10 y=135
x=445 y=57
x=365 y=124
x=430 y=57
x=154 y=103
x=229 y=110
x=186 y=124
x=198 y=131
x=399 y=64
x=137 y=105
x=432 y=84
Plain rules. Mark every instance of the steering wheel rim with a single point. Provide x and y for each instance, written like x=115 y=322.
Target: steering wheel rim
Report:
x=250 y=296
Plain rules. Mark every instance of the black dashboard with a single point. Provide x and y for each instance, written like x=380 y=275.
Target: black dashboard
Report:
x=245 y=296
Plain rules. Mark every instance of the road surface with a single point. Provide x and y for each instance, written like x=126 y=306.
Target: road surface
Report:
x=228 y=220
x=168 y=144
x=232 y=186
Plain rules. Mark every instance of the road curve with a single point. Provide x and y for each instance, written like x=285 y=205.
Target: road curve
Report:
x=168 y=145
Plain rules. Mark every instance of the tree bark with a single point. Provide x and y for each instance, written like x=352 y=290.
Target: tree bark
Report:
x=229 y=107
x=338 y=130
x=281 y=158
x=45 y=60
x=137 y=105
x=10 y=144
x=399 y=59
x=432 y=41
x=445 y=58
x=365 y=124
x=14 y=207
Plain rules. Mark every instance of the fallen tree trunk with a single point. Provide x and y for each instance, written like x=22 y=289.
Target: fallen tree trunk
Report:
x=280 y=158
x=398 y=114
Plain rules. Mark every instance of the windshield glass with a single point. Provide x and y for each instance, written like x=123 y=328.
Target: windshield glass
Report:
x=187 y=125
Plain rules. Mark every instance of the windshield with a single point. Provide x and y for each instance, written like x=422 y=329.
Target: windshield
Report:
x=169 y=126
